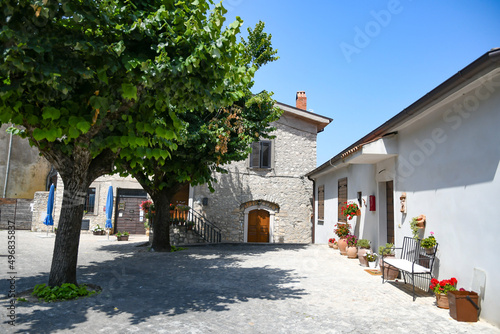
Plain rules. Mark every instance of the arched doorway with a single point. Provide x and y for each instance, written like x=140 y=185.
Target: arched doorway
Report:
x=258 y=226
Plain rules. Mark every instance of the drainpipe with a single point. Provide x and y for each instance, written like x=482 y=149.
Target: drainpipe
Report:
x=7 y=167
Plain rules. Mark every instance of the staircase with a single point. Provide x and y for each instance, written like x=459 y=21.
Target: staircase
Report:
x=204 y=228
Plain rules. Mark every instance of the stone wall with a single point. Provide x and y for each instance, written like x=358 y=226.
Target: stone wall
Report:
x=40 y=211
x=27 y=170
x=98 y=217
x=179 y=236
x=284 y=187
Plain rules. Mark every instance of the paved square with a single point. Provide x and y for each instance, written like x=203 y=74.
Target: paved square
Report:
x=224 y=288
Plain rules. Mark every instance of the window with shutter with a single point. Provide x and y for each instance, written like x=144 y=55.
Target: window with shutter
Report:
x=321 y=203
x=261 y=154
x=342 y=198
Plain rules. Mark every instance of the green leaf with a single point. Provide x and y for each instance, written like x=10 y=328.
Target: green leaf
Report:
x=39 y=134
x=51 y=113
x=101 y=74
x=73 y=132
x=83 y=126
x=129 y=91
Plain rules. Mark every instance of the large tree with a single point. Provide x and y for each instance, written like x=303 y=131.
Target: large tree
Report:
x=208 y=140
x=83 y=80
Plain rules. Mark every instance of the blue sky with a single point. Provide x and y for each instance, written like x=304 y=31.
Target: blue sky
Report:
x=362 y=62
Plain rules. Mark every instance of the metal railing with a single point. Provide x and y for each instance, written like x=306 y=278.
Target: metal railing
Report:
x=204 y=228
x=192 y=220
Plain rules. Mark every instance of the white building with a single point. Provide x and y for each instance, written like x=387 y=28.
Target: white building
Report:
x=443 y=151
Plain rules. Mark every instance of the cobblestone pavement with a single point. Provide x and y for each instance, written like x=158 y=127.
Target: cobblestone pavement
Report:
x=223 y=288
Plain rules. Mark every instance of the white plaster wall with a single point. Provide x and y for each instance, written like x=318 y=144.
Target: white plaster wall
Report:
x=448 y=165
x=449 y=168
x=359 y=178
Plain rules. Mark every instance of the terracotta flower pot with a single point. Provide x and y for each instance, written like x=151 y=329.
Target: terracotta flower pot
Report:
x=389 y=272
x=335 y=246
x=362 y=256
x=421 y=221
x=442 y=300
x=429 y=250
x=330 y=244
x=342 y=243
x=352 y=252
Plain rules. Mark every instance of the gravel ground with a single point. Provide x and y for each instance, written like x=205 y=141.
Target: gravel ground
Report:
x=226 y=288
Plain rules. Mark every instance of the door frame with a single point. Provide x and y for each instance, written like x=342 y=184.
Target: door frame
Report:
x=271 y=221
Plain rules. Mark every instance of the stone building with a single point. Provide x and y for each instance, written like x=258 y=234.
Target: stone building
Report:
x=266 y=198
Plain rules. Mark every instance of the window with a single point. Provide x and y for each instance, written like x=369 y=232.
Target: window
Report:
x=90 y=201
x=321 y=203
x=342 y=198
x=261 y=154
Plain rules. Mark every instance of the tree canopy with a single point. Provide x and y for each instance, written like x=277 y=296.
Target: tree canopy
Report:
x=83 y=80
x=207 y=141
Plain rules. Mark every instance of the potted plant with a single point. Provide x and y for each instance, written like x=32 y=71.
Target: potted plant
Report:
x=122 y=236
x=429 y=243
x=97 y=230
x=441 y=289
x=350 y=210
x=387 y=251
x=342 y=231
x=352 y=250
x=371 y=258
x=416 y=224
x=148 y=207
x=363 y=247
x=190 y=225
x=331 y=242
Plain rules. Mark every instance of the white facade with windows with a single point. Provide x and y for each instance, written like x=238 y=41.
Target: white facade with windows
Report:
x=443 y=153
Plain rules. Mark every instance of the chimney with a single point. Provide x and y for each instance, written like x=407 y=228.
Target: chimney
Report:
x=301 y=100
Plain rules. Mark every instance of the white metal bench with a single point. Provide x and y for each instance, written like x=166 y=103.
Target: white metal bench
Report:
x=413 y=261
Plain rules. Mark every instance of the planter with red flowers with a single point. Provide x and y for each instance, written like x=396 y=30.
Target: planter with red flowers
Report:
x=350 y=209
x=441 y=289
x=332 y=243
x=342 y=230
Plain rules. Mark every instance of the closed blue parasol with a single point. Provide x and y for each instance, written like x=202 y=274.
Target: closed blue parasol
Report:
x=50 y=207
x=109 y=209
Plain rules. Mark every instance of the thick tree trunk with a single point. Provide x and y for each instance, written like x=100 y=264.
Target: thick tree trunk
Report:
x=65 y=256
x=161 y=222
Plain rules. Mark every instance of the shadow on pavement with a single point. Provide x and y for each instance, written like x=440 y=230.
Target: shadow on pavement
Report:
x=143 y=284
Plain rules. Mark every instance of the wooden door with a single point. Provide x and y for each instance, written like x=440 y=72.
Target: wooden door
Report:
x=258 y=226
x=389 y=191
x=128 y=216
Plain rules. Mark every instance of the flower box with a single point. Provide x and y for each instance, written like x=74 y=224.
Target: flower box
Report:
x=463 y=308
